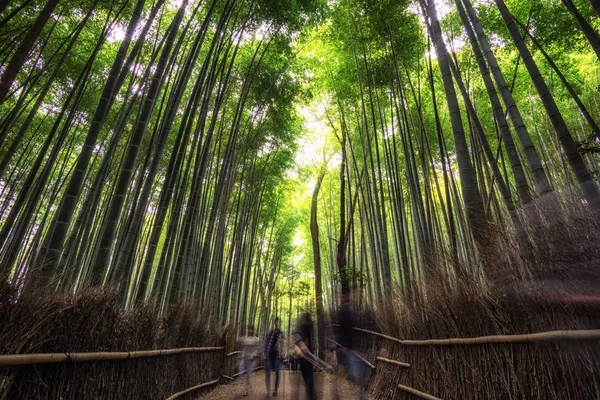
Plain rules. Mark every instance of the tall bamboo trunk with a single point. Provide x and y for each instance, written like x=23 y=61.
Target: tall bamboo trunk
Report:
x=31 y=187
x=102 y=256
x=596 y=5
x=587 y=184
x=451 y=223
x=589 y=32
x=342 y=242
x=468 y=180
x=478 y=129
x=314 y=234
x=20 y=56
x=42 y=96
x=49 y=254
x=535 y=165
x=584 y=111
x=130 y=242
x=511 y=150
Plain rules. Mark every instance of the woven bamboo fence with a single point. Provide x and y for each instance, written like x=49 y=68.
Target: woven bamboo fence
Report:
x=562 y=364
x=532 y=331
x=120 y=374
x=30 y=359
x=462 y=347
x=61 y=360
x=86 y=347
x=27 y=360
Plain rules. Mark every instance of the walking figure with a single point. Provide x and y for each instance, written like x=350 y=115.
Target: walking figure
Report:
x=273 y=353
x=355 y=370
x=304 y=338
x=249 y=356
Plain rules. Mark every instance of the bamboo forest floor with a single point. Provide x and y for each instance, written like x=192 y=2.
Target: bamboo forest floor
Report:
x=291 y=388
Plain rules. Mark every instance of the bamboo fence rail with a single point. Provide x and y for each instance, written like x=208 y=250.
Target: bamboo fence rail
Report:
x=416 y=392
x=363 y=359
x=244 y=371
x=591 y=334
x=387 y=360
x=49 y=358
x=203 y=385
x=356 y=354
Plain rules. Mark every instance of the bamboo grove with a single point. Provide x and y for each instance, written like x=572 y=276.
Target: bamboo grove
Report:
x=152 y=146
x=151 y=161
x=449 y=133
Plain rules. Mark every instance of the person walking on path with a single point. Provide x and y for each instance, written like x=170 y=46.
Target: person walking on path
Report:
x=273 y=354
x=353 y=366
x=304 y=338
x=249 y=355
x=291 y=354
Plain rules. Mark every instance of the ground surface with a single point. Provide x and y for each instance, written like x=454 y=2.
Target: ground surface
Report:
x=291 y=388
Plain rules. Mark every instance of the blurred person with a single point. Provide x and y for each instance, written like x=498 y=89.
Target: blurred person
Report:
x=292 y=356
x=273 y=354
x=293 y=364
x=249 y=355
x=353 y=365
x=304 y=338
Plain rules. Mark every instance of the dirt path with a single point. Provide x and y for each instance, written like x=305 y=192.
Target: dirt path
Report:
x=291 y=388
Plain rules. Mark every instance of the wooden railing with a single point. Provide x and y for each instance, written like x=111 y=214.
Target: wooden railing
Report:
x=48 y=358
x=591 y=334
x=563 y=335
x=12 y=360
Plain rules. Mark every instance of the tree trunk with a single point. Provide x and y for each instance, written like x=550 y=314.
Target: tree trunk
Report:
x=535 y=165
x=41 y=97
x=511 y=150
x=589 y=32
x=468 y=180
x=314 y=234
x=103 y=253
x=588 y=187
x=20 y=56
x=596 y=5
x=561 y=76
x=341 y=247
x=478 y=129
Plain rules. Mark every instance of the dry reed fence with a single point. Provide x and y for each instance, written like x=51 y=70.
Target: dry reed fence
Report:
x=559 y=292
x=93 y=322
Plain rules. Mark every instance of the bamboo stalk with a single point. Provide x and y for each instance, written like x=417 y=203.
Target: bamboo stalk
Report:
x=203 y=385
x=49 y=358
x=591 y=334
x=387 y=360
x=228 y=377
x=418 y=393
